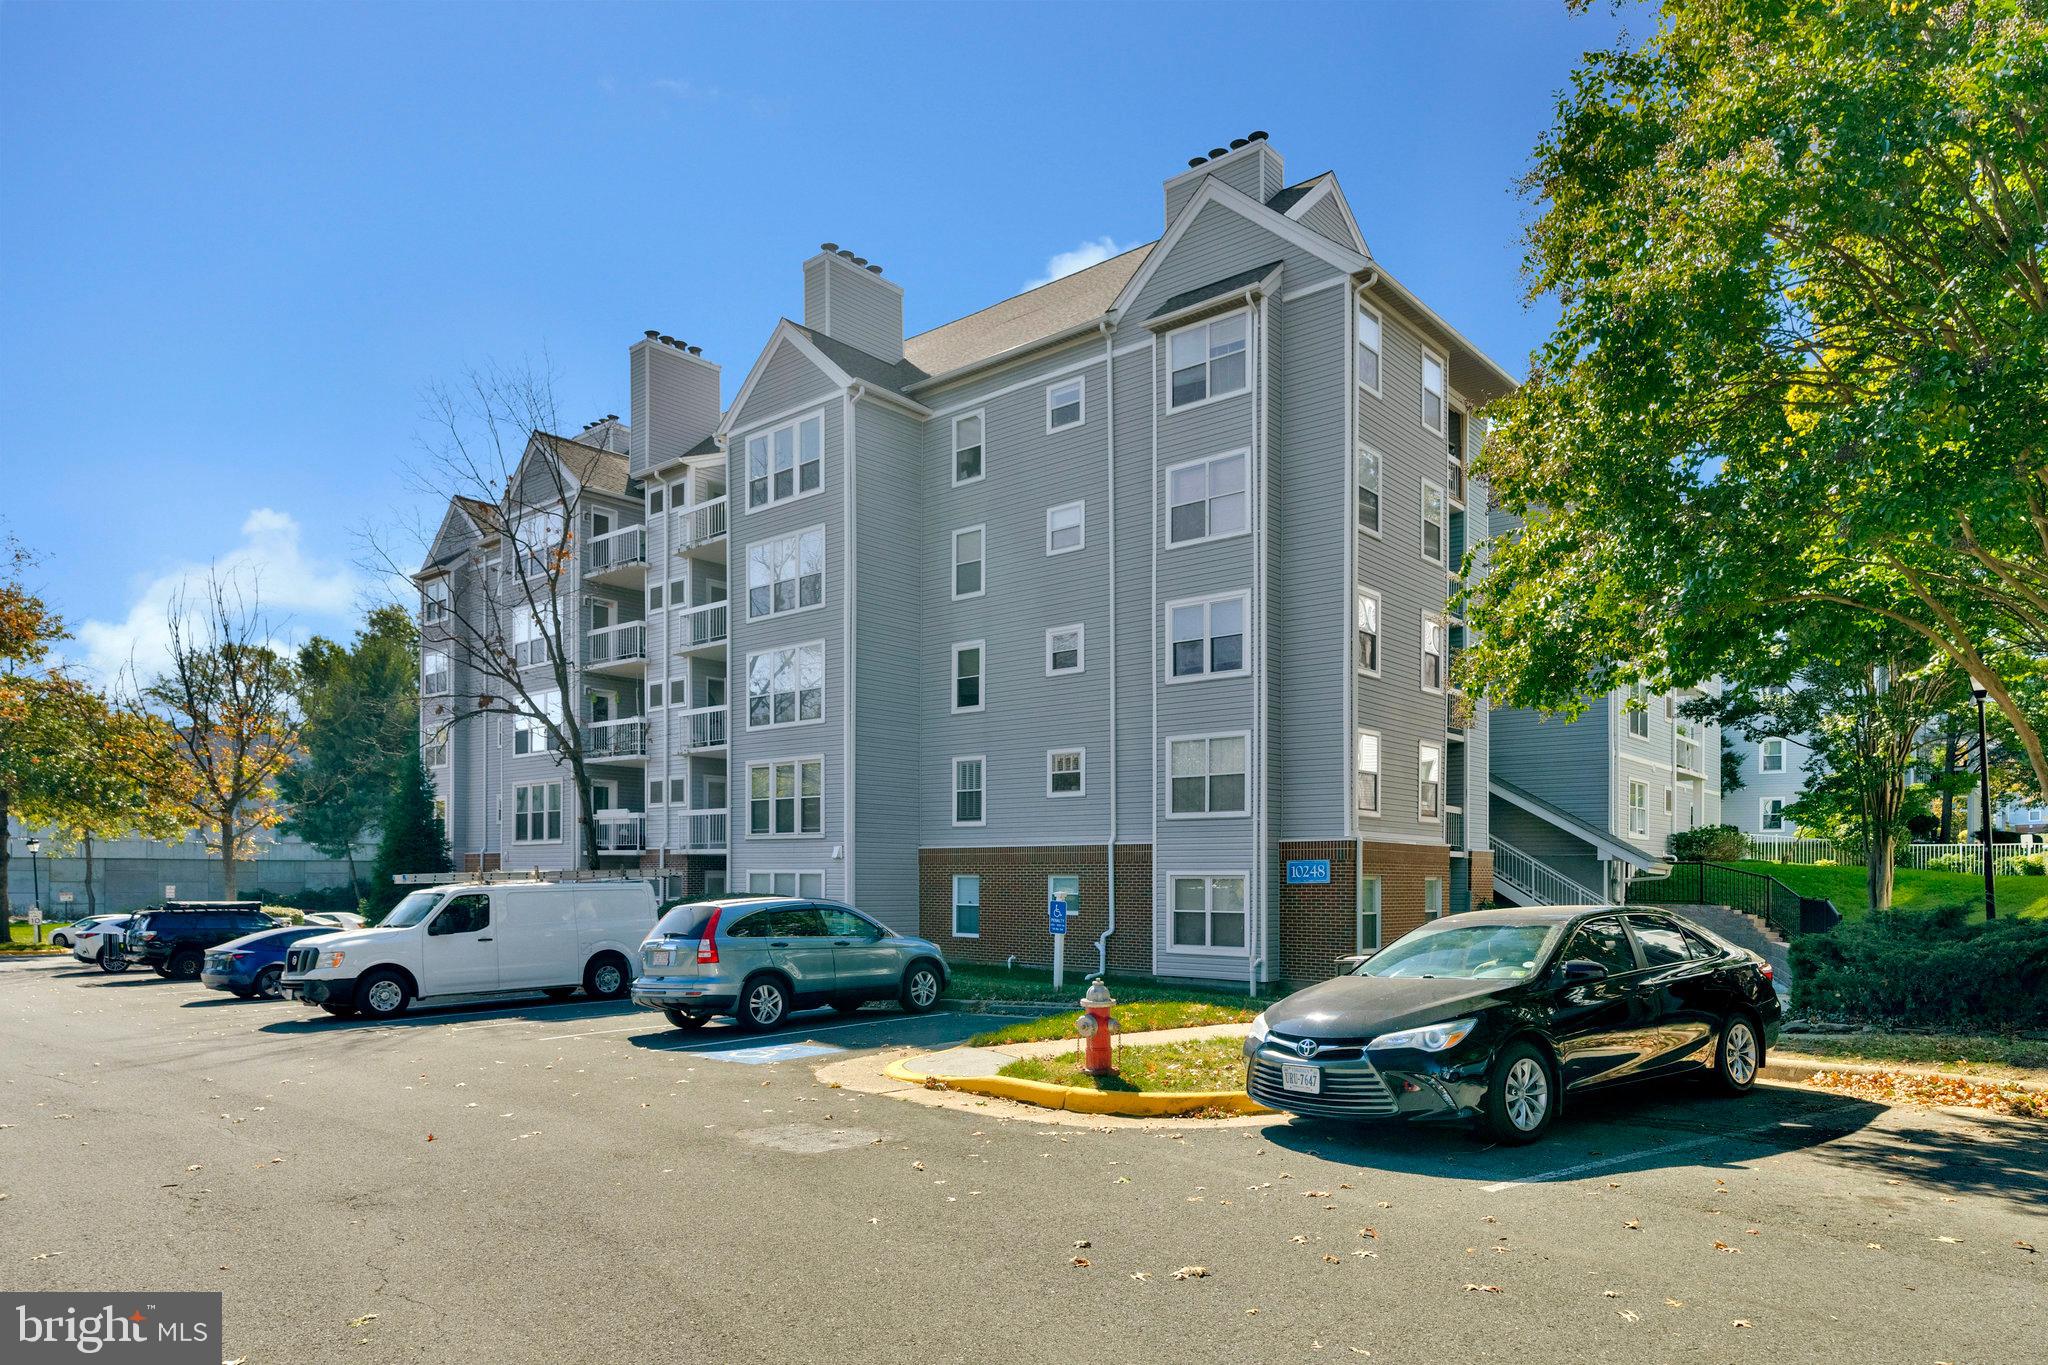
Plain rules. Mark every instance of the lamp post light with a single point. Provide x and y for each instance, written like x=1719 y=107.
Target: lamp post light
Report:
x=35 y=869
x=1984 y=805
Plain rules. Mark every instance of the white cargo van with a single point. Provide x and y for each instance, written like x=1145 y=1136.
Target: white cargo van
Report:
x=478 y=939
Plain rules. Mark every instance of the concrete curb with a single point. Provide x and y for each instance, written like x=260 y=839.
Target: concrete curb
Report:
x=1138 y=1104
x=1800 y=1070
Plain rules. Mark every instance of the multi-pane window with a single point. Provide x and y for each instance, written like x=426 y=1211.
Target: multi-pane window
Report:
x=1429 y=780
x=1639 y=712
x=1207 y=637
x=786 y=574
x=1066 y=403
x=967 y=676
x=531 y=734
x=1432 y=654
x=1209 y=913
x=1433 y=393
x=1434 y=545
x=967 y=451
x=1206 y=774
x=536 y=812
x=437 y=675
x=1368 y=489
x=1207 y=360
x=655 y=499
x=539 y=539
x=1638 y=808
x=1432 y=897
x=786 y=797
x=529 y=638
x=1368 y=764
x=1369 y=633
x=1368 y=915
x=1063 y=650
x=785 y=462
x=1771 y=815
x=967 y=907
x=786 y=686
x=1063 y=772
x=1771 y=756
x=1369 y=347
x=1208 y=499
x=807 y=884
x=967 y=791
x=1064 y=884
x=434 y=609
x=970 y=558
x=1066 y=527
x=434 y=752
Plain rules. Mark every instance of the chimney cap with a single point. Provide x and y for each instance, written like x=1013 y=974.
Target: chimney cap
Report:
x=1216 y=151
x=696 y=350
x=845 y=253
x=1196 y=160
x=1259 y=135
x=860 y=260
x=874 y=270
x=1238 y=142
x=667 y=340
x=828 y=246
x=652 y=333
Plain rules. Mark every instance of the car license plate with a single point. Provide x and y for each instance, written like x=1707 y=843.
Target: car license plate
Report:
x=1305 y=1080
x=661 y=957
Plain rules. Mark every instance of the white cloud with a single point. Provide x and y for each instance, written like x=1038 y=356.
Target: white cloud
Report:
x=296 y=591
x=1065 y=263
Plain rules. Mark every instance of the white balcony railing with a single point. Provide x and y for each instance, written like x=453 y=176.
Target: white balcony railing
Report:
x=698 y=524
x=703 y=727
x=615 y=738
x=616 y=644
x=703 y=831
x=620 y=549
x=1535 y=882
x=620 y=831
x=699 y=627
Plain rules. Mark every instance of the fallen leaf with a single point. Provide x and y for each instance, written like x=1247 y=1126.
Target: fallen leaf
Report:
x=2027 y=1247
x=1744 y=1322
x=1952 y=1241
x=1140 y=1275
x=1484 y=1288
x=917 y=1165
x=1723 y=1246
x=1192 y=1272
x=1633 y=1224
x=1674 y=1303
x=1332 y=1259
x=1297 y=1238
x=1626 y=1316
x=1610 y=1293
x=1315 y=1194
x=1373 y=1233
x=362 y=1321
x=430 y=1137
x=1081 y=1261
x=1251 y=1312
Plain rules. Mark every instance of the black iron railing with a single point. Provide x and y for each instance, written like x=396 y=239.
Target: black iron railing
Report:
x=1754 y=893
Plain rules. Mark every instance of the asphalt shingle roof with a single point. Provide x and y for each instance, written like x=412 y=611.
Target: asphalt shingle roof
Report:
x=869 y=369
x=1027 y=317
x=1216 y=289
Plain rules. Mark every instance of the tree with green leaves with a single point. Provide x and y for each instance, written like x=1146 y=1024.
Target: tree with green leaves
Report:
x=360 y=709
x=412 y=839
x=1799 y=377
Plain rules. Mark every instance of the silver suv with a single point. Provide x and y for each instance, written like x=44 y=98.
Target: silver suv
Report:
x=757 y=958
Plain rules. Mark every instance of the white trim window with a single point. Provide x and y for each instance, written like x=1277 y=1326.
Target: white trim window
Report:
x=1432 y=898
x=1639 y=713
x=786 y=686
x=786 y=574
x=1433 y=392
x=1066 y=403
x=1066 y=528
x=810 y=885
x=1770 y=815
x=1770 y=756
x=1208 y=361
x=1435 y=544
x=786 y=461
x=1369 y=343
x=1369 y=466
x=437 y=673
x=1432 y=655
x=786 y=798
x=1208 y=499
x=1066 y=772
x=969 y=463
x=434 y=751
x=967 y=906
x=1207 y=637
x=1638 y=808
x=1429 y=780
x=1366 y=792
x=1208 y=910
x=970 y=806
x=1065 y=650
x=529 y=638
x=1205 y=775
x=1368 y=940
x=970 y=562
x=1368 y=633
x=655 y=498
x=970 y=673
x=537 y=813
x=540 y=541
x=434 y=603
x=531 y=734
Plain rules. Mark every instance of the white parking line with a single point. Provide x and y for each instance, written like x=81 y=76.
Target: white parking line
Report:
x=1587 y=1167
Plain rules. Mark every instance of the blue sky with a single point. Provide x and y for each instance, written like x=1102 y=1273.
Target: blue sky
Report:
x=243 y=240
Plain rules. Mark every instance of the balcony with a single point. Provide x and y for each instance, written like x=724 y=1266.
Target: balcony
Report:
x=697 y=527
x=1687 y=756
x=615 y=741
x=701 y=729
x=618 y=557
x=696 y=629
x=1454 y=826
x=620 y=831
x=619 y=650
x=697 y=831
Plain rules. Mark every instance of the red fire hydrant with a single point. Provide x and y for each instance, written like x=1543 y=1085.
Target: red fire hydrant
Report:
x=1097 y=1030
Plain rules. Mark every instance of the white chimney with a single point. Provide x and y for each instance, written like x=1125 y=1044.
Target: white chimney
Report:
x=1251 y=166
x=675 y=401
x=846 y=298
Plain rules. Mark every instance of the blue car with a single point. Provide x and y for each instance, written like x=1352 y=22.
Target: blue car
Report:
x=252 y=966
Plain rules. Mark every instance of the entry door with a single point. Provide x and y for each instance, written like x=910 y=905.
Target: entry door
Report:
x=861 y=957
x=462 y=947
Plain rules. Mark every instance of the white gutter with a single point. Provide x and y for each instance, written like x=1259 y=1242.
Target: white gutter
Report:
x=854 y=393
x=1109 y=434
x=1259 y=604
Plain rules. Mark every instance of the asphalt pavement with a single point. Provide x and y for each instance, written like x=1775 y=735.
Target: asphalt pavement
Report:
x=580 y=1182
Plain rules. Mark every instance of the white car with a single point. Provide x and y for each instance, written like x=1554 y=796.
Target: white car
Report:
x=474 y=939
x=101 y=942
x=63 y=935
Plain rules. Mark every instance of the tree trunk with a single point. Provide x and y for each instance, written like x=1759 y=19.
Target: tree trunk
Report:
x=6 y=834
x=92 y=900
x=1950 y=756
x=228 y=885
x=353 y=889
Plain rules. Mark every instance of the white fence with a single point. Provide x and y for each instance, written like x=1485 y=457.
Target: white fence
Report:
x=1805 y=852
x=1967 y=857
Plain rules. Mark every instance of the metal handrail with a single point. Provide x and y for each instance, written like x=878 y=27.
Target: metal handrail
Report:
x=1537 y=880
x=623 y=548
x=616 y=644
x=615 y=738
x=701 y=625
x=700 y=523
x=706 y=727
x=620 y=831
x=1753 y=893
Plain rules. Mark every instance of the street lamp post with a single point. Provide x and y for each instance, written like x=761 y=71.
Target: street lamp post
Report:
x=35 y=870
x=1984 y=805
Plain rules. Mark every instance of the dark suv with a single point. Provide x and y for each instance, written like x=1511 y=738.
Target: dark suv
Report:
x=174 y=939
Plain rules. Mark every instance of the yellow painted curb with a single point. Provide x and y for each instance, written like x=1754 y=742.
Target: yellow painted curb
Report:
x=1137 y=1104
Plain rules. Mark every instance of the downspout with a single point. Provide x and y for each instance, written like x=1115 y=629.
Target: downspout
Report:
x=1260 y=829
x=1109 y=432
x=846 y=802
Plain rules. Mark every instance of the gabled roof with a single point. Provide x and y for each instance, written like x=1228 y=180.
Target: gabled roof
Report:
x=1286 y=199
x=595 y=468
x=1215 y=289
x=485 y=514
x=1033 y=315
x=858 y=364
x=1214 y=191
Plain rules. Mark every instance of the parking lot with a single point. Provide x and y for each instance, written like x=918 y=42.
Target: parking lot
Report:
x=578 y=1181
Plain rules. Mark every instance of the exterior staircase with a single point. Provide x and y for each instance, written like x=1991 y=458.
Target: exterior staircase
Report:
x=1528 y=880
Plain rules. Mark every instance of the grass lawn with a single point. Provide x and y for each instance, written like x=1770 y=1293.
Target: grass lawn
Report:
x=1969 y=1054
x=1204 y=1064
x=21 y=938
x=1137 y=1017
x=974 y=981
x=2026 y=897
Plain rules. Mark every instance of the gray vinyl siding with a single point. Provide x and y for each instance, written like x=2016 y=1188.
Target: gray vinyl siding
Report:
x=866 y=313
x=1327 y=218
x=1258 y=172
x=1566 y=853
x=1744 y=807
x=788 y=379
x=1562 y=762
x=1137 y=657
x=1219 y=243
x=675 y=402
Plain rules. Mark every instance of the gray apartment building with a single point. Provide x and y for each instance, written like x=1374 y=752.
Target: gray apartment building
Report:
x=1133 y=587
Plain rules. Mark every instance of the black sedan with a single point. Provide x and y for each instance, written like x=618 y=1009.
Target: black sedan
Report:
x=1496 y=1015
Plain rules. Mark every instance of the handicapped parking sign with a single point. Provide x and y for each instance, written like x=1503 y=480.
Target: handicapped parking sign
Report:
x=1056 y=914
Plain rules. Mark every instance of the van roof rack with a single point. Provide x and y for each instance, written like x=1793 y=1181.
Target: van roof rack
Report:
x=562 y=874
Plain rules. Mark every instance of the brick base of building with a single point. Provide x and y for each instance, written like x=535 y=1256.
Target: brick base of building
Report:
x=1013 y=903
x=482 y=862
x=691 y=867
x=1482 y=879
x=1319 y=924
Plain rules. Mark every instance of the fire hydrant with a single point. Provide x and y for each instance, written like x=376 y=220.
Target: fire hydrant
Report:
x=1097 y=1030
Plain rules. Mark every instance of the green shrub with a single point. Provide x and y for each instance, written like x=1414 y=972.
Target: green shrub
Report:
x=1710 y=844
x=328 y=898
x=1937 y=968
x=1946 y=862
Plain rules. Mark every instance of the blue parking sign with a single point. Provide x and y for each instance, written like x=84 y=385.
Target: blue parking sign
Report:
x=1056 y=915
